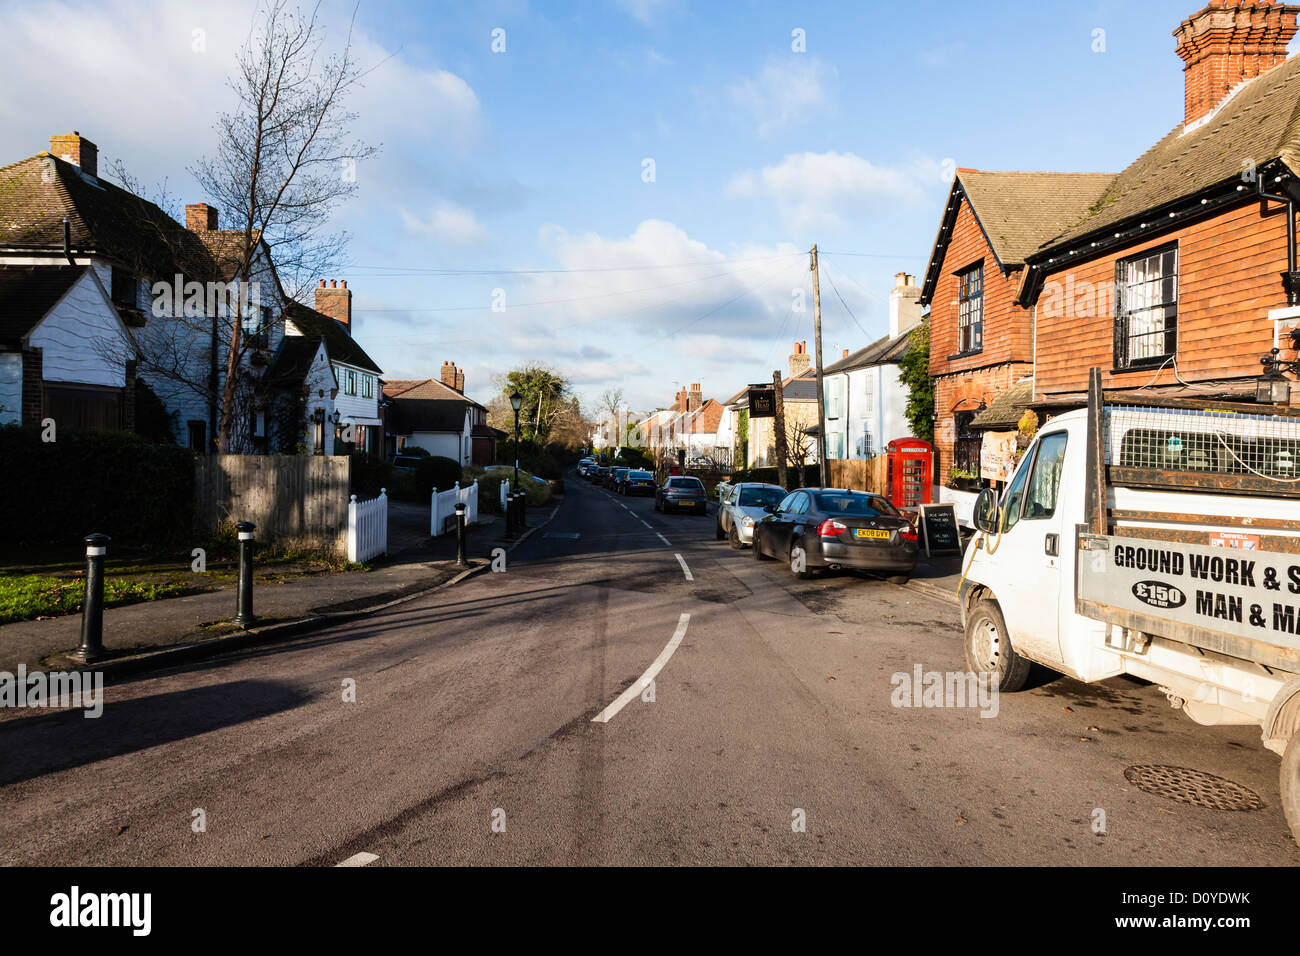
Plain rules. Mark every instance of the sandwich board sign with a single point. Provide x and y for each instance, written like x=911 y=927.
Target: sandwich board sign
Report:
x=939 y=529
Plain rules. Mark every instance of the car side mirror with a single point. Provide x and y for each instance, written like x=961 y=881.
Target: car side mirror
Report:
x=986 y=511
x=770 y=509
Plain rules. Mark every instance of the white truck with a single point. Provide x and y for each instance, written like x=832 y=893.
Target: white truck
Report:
x=1159 y=539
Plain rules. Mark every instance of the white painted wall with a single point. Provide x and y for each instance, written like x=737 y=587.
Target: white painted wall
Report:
x=319 y=381
x=82 y=340
x=444 y=444
x=872 y=401
x=11 y=388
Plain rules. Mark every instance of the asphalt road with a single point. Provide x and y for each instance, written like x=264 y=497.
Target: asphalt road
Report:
x=471 y=739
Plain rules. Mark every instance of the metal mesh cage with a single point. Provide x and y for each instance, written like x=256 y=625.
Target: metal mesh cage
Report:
x=1202 y=441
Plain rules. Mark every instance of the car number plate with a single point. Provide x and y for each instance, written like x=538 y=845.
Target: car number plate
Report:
x=869 y=533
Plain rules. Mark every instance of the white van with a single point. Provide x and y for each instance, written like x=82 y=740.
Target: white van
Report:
x=1160 y=540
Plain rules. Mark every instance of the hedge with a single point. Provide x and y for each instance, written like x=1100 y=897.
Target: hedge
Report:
x=113 y=483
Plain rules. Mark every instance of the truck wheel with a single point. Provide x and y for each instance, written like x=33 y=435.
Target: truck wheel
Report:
x=1291 y=784
x=989 y=650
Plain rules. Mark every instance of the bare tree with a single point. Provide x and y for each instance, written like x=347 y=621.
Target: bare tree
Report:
x=284 y=160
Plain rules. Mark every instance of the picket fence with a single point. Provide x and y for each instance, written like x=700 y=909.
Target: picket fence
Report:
x=505 y=493
x=368 y=527
x=443 y=506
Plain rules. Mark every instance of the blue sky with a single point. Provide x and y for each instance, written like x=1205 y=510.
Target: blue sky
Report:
x=524 y=170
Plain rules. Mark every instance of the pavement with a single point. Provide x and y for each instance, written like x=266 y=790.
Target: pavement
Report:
x=137 y=634
x=626 y=690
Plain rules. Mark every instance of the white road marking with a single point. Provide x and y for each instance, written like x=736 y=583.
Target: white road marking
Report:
x=647 y=524
x=361 y=859
x=666 y=542
x=685 y=570
x=606 y=715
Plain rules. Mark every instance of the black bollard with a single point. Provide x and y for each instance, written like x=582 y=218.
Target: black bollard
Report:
x=245 y=616
x=510 y=514
x=92 y=608
x=460 y=535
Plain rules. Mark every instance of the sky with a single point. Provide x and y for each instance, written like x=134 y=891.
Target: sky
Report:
x=626 y=190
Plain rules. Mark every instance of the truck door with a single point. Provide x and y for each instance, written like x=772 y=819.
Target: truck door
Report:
x=1032 y=536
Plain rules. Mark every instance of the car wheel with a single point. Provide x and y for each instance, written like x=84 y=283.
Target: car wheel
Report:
x=899 y=578
x=704 y=510
x=734 y=539
x=989 y=650
x=758 y=547
x=799 y=561
x=718 y=533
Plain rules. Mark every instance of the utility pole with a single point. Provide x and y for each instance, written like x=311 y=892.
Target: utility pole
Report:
x=821 y=400
x=778 y=424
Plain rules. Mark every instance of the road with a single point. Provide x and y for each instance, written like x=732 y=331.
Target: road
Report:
x=768 y=736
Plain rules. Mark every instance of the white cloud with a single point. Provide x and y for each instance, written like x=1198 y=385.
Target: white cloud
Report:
x=820 y=190
x=786 y=92
x=448 y=224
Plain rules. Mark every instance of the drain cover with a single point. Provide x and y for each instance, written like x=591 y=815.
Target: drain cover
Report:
x=1193 y=786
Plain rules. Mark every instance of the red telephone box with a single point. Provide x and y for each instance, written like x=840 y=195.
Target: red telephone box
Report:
x=910 y=464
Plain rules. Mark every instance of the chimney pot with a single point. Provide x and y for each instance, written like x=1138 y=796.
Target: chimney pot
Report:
x=336 y=303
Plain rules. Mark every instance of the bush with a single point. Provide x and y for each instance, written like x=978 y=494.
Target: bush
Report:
x=112 y=483
x=489 y=489
x=435 y=472
x=635 y=458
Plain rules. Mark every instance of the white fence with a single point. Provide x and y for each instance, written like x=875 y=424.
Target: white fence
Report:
x=505 y=492
x=368 y=527
x=443 y=506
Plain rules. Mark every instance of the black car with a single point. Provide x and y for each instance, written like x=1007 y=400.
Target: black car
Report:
x=596 y=475
x=614 y=477
x=815 y=528
x=681 y=493
x=637 y=483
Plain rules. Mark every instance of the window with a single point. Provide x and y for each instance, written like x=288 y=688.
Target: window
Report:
x=970 y=310
x=1014 y=498
x=1045 y=481
x=367 y=386
x=351 y=388
x=800 y=504
x=124 y=288
x=855 y=505
x=787 y=504
x=254 y=328
x=758 y=497
x=969 y=443
x=833 y=399
x=1146 y=308
x=198 y=436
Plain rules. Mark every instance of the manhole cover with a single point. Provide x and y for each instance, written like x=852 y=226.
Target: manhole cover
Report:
x=1193 y=786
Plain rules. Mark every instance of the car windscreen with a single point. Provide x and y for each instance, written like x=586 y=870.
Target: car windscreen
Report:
x=760 y=497
x=692 y=483
x=858 y=506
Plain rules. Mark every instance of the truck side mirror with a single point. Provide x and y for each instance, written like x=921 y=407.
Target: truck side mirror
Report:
x=986 y=511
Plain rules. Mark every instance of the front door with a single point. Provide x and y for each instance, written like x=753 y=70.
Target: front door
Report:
x=1032 y=538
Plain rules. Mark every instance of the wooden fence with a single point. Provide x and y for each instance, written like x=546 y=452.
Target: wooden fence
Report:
x=869 y=474
x=298 y=501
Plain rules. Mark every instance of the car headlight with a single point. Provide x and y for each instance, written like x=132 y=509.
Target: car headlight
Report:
x=747 y=521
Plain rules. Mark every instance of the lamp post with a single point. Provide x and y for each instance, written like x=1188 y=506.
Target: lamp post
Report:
x=516 y=402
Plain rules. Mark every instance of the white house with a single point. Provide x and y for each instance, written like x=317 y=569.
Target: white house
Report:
x=865 y=400
x=437 y=416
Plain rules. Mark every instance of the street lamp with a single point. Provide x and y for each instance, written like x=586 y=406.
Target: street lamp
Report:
x=516 y=402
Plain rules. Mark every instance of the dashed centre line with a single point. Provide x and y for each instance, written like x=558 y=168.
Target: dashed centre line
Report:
x=666 y=542
x=623 y=699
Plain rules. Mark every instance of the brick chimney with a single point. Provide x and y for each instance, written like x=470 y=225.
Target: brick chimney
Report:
x=695 y=397
x=200 y=217
x=76 y=149
x=1227 y=43
x=904 y=304
x=800 y=360
x=335 y=301
x=452 y=377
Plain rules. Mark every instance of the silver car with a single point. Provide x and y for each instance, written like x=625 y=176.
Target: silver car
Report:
x=743 y=505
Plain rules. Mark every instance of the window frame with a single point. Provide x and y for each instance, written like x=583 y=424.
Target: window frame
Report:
x=970 y=309
x=1122 y=336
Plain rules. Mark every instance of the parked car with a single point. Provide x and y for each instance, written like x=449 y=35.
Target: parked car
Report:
x=815 y=528
x=598 y=474
x=741 y=507
x=638 y=483
x=406 y=462
x=681 y=493
x=583 y=465
x=615 y=478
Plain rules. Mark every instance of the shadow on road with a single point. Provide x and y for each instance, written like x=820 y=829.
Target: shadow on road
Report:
x=53 y=741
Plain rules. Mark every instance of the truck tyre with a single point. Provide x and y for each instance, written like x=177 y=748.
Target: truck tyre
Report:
x=989 y=650
x=1291 y=784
